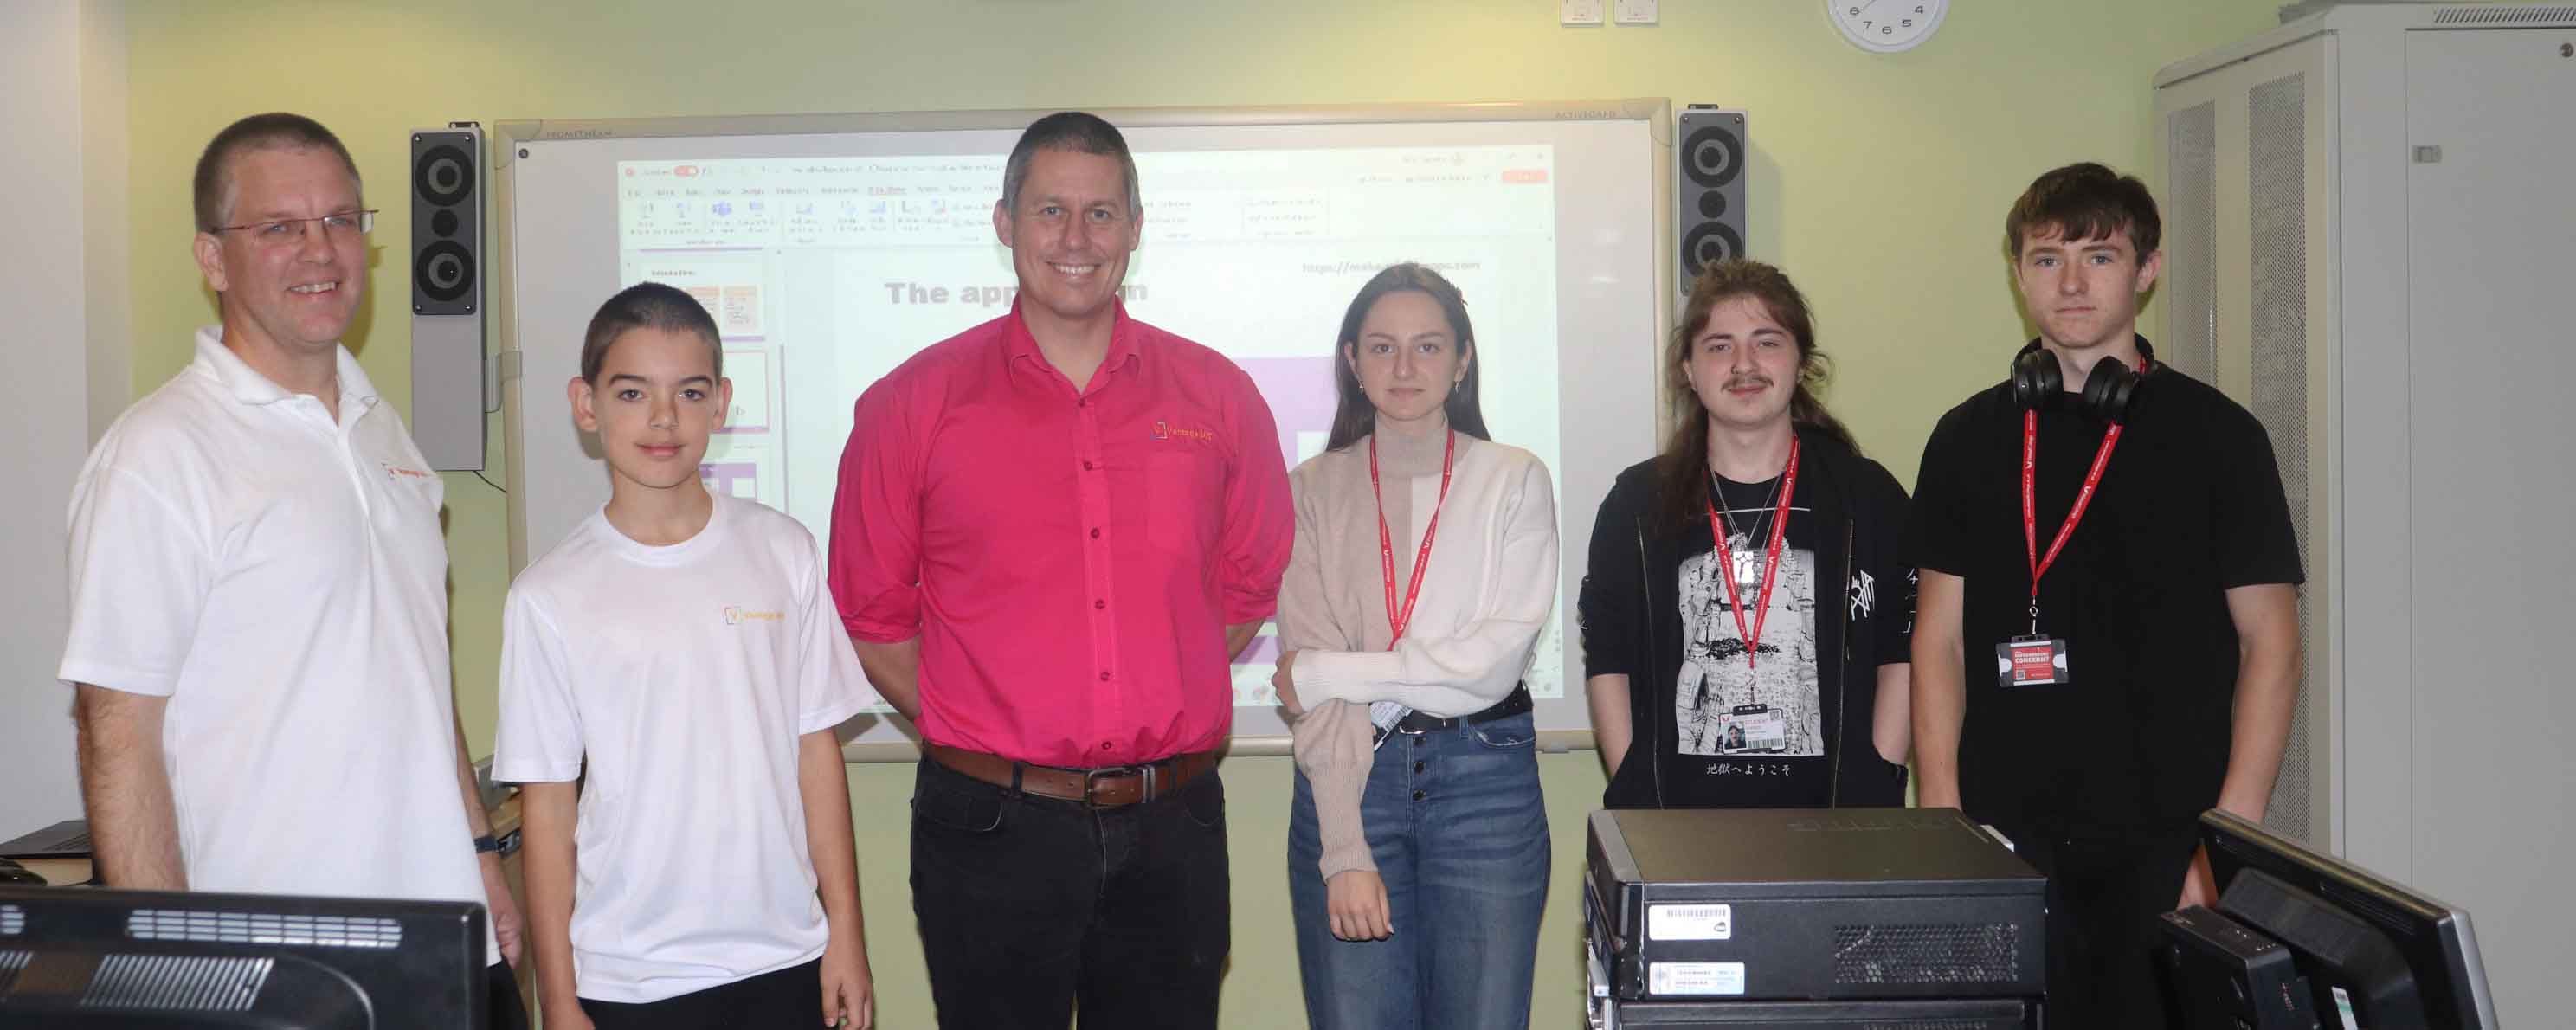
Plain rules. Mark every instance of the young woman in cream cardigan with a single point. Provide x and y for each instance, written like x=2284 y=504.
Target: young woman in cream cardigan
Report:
x=1425 y=566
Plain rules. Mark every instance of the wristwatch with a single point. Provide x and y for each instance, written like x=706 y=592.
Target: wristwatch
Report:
x=487 y=843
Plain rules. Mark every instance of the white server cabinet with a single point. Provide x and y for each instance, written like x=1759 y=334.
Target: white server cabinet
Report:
x=2370 y=241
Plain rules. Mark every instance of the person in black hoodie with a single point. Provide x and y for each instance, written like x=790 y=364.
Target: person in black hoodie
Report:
x=1745 y=613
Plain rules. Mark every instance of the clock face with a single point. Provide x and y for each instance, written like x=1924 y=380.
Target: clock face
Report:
x=1886 y=26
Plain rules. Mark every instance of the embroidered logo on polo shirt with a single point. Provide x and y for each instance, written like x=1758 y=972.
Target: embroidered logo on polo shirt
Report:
x=735 y=615
x=1165 y=431
x=399 y=472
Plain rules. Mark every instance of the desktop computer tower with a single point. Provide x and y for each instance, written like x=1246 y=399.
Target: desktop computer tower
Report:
x=1811 y=919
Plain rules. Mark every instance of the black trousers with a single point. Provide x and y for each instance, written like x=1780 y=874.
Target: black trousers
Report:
x=2104 y=894
x=787 y=999
x=1031 y=908
x=509 y=1011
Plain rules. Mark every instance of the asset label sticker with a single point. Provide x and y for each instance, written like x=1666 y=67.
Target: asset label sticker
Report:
x=1690 y=922
x=1694 y=978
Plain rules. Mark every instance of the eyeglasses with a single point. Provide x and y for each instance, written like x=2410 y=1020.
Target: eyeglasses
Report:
x=339 y=225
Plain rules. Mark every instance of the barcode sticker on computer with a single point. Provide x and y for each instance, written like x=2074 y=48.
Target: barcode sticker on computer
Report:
x=1694 y=978
x=1690 y=922
x=2343 y=1007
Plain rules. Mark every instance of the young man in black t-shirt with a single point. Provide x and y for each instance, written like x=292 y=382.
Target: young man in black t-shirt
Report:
x=1744 y=613
x=2152 y=672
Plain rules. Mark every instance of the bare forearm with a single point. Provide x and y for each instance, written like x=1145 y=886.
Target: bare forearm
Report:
x=2267 y=694
x=478 y=822
x=1241 y=635
x=895 y=671
x=1940 y=707
x=1612 y=732
x=134 y=824
x=1939 y=696
x=1891 y=725
x=823 y=784
x=547 y=812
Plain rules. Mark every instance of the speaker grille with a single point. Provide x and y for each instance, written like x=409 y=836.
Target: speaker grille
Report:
x=148 y=924
x=195 y=983
x=1709 y=192
x=443 y=175
x=1954 y=953
x=2277 y=192
x=2191 y=243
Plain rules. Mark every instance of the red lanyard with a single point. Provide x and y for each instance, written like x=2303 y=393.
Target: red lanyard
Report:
x=1770 y=559
x=2039 y=563
x=1396 y=618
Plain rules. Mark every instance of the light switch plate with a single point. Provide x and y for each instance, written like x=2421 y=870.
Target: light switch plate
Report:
x=1578 y=12
x=1633 y=12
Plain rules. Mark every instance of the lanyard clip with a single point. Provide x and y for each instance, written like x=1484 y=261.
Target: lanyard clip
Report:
x=2034 y=615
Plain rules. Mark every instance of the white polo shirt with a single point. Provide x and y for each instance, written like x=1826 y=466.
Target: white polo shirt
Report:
x=281 y=579
x=683 y=675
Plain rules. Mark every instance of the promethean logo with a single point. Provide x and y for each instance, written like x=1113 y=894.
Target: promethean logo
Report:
x=1166 y=431
x=735 y=615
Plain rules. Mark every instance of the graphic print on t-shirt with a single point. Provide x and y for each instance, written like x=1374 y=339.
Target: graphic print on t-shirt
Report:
x=1724 y=708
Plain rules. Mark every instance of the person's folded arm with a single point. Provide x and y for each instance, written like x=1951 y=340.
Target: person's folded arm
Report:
x=1471 y=669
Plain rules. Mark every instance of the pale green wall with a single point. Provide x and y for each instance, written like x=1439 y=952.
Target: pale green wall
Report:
x=1879 y=182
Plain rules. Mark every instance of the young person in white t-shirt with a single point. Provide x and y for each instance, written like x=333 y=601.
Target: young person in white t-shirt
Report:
x=679 y=656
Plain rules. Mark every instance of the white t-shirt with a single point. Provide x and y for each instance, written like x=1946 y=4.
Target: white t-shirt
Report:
x=281 y=579
x=685 y=674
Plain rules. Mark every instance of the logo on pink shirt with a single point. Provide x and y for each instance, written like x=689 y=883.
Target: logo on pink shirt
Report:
x=1164 y=431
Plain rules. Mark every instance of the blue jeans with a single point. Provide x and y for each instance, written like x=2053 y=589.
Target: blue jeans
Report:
x=1459 y=833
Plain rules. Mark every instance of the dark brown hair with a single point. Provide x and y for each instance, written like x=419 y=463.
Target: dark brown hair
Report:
x=2085 y=201
x=276 y=130
x=1355 y=416
x=647 y=306
x=1681 y=472
x=1075 y=131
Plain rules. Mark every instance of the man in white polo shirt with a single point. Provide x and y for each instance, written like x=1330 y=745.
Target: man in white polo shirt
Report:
x=258 y=585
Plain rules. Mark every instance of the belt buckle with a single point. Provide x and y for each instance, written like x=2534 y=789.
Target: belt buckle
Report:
x=1092 y=777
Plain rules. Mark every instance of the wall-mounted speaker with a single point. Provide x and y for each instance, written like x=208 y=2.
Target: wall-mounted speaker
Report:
x=1710 y=189
x=447 y=347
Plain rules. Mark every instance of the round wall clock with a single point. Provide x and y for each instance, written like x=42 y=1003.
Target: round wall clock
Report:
x=1886 y=26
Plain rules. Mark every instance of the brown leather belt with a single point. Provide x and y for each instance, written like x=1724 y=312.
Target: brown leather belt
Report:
x=1112 y=786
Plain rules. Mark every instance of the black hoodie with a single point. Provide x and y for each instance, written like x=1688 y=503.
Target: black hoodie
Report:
x=1632 y=624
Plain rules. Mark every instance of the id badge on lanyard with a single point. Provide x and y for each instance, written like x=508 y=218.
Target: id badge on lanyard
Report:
x=2038 y=659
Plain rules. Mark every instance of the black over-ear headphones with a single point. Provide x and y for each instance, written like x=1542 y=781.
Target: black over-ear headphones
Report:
x=2037 y=382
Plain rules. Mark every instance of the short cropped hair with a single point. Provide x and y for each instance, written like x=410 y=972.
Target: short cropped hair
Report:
x=276 y=130
x=2083 y=202
x=647 y=306
x=1076 y=131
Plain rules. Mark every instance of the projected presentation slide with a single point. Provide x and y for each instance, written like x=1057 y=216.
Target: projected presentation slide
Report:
x=824 y=274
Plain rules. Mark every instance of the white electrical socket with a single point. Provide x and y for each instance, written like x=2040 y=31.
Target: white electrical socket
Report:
x=1633 y=12
x=1578 y=12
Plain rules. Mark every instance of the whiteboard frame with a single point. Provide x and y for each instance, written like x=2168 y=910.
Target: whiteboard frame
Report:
x=501 y=278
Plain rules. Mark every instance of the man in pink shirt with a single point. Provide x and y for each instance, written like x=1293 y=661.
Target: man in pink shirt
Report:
x=1053 y=533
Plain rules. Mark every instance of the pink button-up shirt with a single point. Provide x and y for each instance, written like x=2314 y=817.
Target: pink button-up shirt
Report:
x=1069 y=559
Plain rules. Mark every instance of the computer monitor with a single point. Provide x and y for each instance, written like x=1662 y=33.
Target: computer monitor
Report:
x=2391 y=957
x=75 y=958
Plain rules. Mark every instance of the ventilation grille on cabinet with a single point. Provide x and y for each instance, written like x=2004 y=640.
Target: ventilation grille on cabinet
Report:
x=2277 y=193
x=2484 y=15
x=2191 y=244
